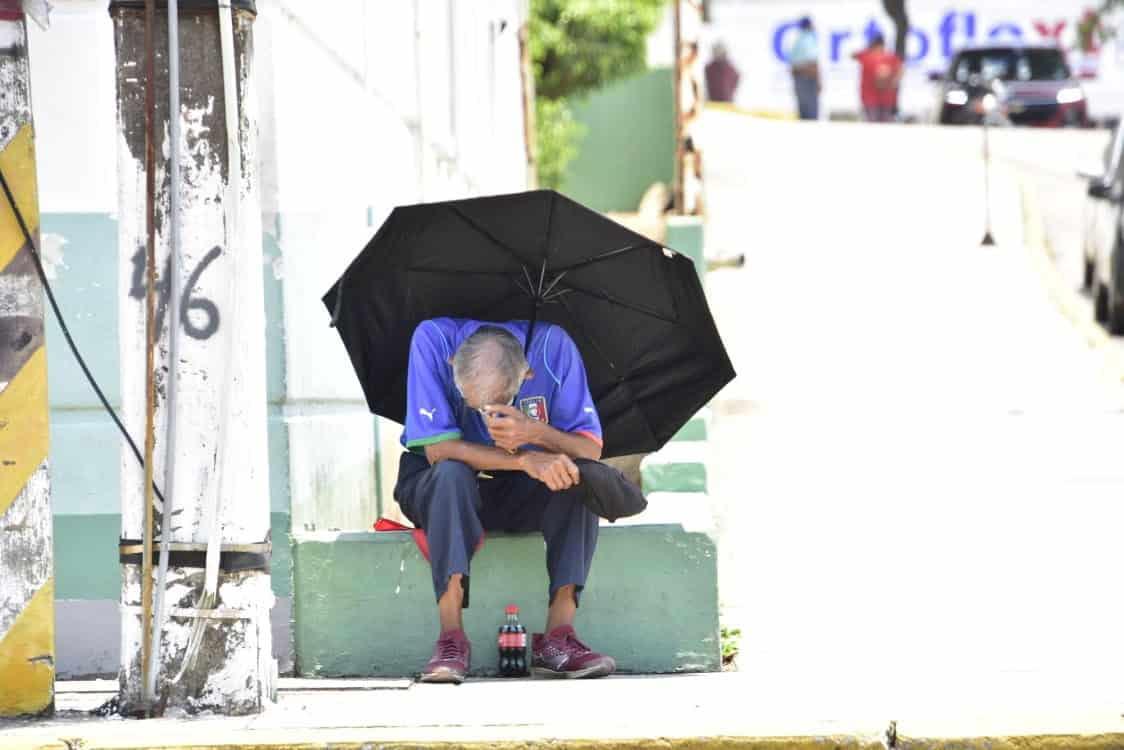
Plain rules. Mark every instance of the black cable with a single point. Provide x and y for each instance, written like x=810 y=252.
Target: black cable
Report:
x=66 y=331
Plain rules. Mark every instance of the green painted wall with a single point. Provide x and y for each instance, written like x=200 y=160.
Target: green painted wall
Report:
x=629 y=142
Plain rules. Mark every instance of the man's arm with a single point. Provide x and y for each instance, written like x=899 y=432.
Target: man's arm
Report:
x=479 y=457
x=510 y=429
x=556 y=470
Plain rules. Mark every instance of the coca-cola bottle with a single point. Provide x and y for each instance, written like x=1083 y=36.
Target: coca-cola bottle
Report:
x=513 y=645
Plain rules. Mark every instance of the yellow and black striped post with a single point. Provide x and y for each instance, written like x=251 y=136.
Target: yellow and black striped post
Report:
x=27 y=668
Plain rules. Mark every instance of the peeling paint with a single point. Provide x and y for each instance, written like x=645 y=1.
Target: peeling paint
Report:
x=50 y=252
x=230 y=675
x=26 y=547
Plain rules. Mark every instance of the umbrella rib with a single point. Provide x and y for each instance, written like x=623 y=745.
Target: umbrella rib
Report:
x=620 y=382
x=549 y=225
x=530 y=282
x=559 y=277
x=608 y=254
x=454 y=272
x=627 y=305
x=465 y=218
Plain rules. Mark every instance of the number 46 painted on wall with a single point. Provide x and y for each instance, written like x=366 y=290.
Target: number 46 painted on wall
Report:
x=187 y=301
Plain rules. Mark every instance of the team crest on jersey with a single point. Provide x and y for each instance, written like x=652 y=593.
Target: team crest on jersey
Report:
x=534 y=407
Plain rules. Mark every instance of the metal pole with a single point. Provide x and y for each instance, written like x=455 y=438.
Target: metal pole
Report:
x=150 y=329
x=172 y=283
x=677 y=75
x=527 y=75
x=988 y=239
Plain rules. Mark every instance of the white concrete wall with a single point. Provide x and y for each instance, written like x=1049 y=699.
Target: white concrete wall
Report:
x=367 y=107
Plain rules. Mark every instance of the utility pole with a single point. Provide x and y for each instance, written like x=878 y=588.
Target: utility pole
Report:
x=27 y=643
x=677 y=81
x=213 y=652
x=527 y=77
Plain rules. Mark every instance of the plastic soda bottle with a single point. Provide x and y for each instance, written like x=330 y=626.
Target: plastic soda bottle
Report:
x=513 y=645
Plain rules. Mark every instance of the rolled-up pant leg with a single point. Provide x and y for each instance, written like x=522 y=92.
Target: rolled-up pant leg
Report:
x=444 y=500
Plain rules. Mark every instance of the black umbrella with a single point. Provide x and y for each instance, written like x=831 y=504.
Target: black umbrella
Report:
x=637 y=311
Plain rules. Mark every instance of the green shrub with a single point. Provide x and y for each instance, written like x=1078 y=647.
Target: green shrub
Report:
x=578 y=46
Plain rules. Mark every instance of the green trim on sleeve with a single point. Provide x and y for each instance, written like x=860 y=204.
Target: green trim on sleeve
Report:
x=422 y=442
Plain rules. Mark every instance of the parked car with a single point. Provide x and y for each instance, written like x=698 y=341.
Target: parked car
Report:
x=1104 y=236
x=1035 y=85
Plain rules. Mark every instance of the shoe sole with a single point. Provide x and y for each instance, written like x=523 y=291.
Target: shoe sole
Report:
x=597 y=670
x=442 y=677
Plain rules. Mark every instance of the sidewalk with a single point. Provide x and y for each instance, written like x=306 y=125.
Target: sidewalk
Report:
x=727 y=710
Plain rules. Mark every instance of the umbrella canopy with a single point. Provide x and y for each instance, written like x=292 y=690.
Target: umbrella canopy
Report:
x=636 y=310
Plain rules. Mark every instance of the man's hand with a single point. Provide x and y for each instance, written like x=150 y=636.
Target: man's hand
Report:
x=510 y=428
x=555 y=470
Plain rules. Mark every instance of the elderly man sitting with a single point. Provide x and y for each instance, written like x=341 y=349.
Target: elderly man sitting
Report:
x=502 y=440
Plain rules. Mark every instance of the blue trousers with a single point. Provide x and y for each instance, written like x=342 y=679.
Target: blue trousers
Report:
x=455 y=508
x=807 y=96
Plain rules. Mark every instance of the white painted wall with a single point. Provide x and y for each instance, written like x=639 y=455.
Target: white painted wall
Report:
x=338 y=111
x=73 y=93
x=366 y=108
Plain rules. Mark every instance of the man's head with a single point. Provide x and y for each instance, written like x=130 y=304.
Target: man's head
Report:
x=877 y=41
x=489 y=367
x=805 y=23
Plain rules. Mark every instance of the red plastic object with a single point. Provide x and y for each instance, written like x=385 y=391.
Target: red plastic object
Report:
x=385 y=524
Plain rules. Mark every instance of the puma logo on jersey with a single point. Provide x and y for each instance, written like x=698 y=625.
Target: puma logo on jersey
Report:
x=428 y=413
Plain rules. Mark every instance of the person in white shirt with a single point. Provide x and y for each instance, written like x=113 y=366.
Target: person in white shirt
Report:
x=804 y=59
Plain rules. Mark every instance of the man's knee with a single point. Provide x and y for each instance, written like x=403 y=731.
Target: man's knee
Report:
x=450 y=471
x=453 y=486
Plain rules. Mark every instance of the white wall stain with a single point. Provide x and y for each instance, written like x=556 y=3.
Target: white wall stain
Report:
x=50 y=251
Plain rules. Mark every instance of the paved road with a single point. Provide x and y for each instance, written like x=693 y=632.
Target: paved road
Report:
x=916 y=476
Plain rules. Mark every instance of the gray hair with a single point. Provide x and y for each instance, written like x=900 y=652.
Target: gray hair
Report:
x=491 y=353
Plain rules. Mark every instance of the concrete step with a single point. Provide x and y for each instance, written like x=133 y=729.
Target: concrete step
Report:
x=364 y=603
x=679 y=467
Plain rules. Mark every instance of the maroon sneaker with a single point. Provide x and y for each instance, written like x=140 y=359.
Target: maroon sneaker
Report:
x=451 y=657
x=560 y=654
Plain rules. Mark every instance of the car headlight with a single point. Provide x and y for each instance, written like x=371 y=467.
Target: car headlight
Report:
x=956 y=98
x=1070 y=95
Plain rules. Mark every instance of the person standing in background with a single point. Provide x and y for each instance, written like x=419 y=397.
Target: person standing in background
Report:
x=881 y=75
x=804 y=59
x=721 y=76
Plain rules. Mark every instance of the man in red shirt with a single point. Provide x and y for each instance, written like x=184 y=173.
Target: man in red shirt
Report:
x=881 y=74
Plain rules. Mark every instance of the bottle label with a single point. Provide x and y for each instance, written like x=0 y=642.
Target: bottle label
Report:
x=512 y=640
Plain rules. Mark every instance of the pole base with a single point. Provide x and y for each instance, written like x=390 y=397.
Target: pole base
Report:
x=988 y=240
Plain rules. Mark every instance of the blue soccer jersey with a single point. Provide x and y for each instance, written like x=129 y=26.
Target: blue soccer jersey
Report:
x=557 y=394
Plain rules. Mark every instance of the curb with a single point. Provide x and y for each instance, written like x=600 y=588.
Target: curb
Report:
x=359 y=740
x=1068 y=300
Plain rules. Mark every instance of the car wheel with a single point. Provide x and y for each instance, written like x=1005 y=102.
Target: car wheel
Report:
x=1087 y=275
x=1115 y=313
x=1100 y=303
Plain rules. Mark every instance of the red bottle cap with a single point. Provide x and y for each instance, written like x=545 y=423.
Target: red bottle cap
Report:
x=512 y=609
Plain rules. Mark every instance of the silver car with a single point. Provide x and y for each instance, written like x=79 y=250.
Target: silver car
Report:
x=1104 y=236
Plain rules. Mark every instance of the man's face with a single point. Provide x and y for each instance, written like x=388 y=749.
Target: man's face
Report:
x=483 y=392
